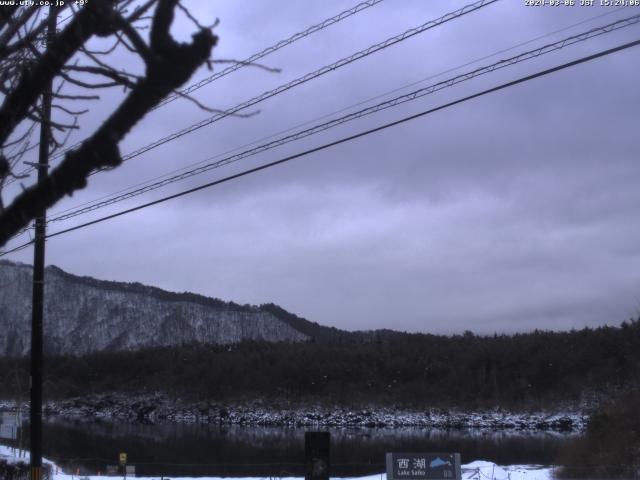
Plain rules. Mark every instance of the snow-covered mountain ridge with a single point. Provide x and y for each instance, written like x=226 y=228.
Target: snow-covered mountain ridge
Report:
x=84 y=315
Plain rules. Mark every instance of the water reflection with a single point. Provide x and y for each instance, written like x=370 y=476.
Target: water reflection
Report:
x=197 y=449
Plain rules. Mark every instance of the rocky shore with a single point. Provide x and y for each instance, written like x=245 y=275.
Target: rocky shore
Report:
x=159 y=408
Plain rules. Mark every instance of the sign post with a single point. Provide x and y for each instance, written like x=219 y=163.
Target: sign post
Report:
x=123 y=463
x=423 y=466
x=316 y=452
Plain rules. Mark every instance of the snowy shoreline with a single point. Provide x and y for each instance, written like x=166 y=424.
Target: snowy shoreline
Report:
x=476 y=470
x=159 y=408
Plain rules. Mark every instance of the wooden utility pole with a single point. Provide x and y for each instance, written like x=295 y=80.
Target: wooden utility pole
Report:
x=37 y=306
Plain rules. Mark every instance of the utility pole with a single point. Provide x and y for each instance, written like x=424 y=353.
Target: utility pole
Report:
x=37 y=305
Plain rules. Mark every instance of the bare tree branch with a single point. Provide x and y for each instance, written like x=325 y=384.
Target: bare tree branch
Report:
x=248 y=64
x=83 y=84
x=6 y=13
x=76 y=97
x=70 y=112
x=16 y=105
x=120 y=78
x=14 y=26
x=23 y=41
x=169 y=65
x=137 y=42
x=140 y=11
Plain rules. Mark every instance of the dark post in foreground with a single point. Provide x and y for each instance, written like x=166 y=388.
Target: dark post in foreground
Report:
x=37 y=305
x=316 y=454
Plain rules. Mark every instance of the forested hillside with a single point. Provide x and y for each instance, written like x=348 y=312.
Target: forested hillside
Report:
x=84 y=315
x=533 y=369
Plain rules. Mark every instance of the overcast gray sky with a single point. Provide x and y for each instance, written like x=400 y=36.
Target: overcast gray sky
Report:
x=514 y=211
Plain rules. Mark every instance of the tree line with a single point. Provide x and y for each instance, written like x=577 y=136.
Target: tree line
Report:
x=541 y=368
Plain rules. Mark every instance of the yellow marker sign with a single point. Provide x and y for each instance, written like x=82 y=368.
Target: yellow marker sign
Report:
x=123 y=458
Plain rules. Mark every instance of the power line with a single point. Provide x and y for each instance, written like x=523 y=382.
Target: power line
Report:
x=299 y=81
x=342 y=140
x=360 y=103
x=359 y=114
x=250 y=60
x=16 y=249
x=277 y=46
x=310 y=76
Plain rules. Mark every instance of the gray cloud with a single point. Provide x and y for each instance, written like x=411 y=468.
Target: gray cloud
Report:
x=511 y=212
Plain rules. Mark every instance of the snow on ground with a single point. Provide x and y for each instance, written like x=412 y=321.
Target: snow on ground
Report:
x=483 y=470
x=477 y=470
x=10 y=455
x=158 y=407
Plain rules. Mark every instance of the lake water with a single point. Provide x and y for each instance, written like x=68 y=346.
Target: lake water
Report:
x=200 y=449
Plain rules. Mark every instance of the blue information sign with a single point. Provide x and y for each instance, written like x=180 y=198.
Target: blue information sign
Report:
x=423 y=466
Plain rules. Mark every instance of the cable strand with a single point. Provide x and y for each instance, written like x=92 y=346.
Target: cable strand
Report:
x=348 y=138
x=358 y=114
